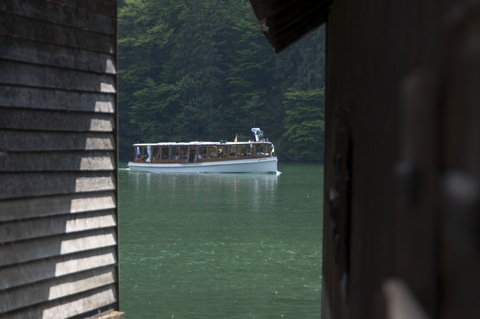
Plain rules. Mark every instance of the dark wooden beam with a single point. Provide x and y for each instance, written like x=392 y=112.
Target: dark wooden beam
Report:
x=284 y=22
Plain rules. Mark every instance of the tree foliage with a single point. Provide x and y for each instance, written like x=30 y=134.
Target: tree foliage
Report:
x=202 y=70
x=304 y=123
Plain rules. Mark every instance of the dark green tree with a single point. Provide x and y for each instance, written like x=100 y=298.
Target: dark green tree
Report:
x=202 y=70
x=304 y=125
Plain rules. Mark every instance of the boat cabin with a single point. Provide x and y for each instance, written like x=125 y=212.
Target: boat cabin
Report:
x=195 y=152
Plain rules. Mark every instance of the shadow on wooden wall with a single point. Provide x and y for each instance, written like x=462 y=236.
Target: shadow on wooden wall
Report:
x=58 y=217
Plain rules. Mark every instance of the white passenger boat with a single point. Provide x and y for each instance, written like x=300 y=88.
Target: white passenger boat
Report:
x=206 y=157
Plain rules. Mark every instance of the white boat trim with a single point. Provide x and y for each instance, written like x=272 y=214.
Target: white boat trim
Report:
x=255 y=165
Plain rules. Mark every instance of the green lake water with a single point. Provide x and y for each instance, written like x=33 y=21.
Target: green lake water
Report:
x=221 y=245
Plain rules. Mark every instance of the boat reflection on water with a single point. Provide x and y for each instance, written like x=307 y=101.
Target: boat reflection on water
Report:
x=231 y=188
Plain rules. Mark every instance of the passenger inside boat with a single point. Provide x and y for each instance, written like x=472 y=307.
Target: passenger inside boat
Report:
x=165 y=153
x=191 y=157
x=140 y=154
x=202 y=152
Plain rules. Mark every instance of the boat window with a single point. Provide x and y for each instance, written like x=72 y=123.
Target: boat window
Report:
x=140 y=153
x=165 y=154
x=222 y=151
x=253 y=149
x=183 y=153
x=175 y=153
x=269 y=150
x=235 y=150
x=202 y=152
x=245 y=150
x=191 y=154
x=260 y=150
x=212 y=151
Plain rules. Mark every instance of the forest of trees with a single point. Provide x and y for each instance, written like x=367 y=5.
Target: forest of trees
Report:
x=202 y=70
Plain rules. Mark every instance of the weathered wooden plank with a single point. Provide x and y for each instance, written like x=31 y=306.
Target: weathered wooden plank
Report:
x=57 y=161
x=34 y=98
x=16 y=73
x=105 y=7
x=64 y=224
x=18 y=141
x=40 y=270
x=69 y=16
x=54 y=289
x=46 y=32
x=68 y=307
x=23 y=185
x=57 y=158
x=53 y=55
x=55 y=205
x=26 y=251
x=104 y=300
x=13 y=118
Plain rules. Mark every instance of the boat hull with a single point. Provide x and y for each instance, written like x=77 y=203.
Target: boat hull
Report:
x=256 y=165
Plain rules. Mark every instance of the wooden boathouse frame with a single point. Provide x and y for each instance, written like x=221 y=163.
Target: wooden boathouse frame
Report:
x=402 y=160
x=402 y=181
x=58 y=158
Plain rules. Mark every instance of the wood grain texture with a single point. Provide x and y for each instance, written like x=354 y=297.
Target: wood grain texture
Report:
x=21 y=74
x=105 y=7
x=56 y=99
x=55 y=289
x=27 y=251
x=19 y=209
x=18 y=185
x=22 y=141
x=63 y=224
x=57 y=161
x=53 y=55
x=44 y=269
x=58 y=209
x=74 y=17
x=46 y=32
x=19 y=119
x=70 y=306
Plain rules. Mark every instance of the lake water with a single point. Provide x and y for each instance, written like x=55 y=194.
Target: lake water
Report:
x=221 y=246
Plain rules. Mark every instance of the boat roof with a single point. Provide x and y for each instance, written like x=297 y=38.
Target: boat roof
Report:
x=200 y=143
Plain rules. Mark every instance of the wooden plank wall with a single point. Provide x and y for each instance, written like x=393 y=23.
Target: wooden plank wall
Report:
x=402 y=220
x=58 y=206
